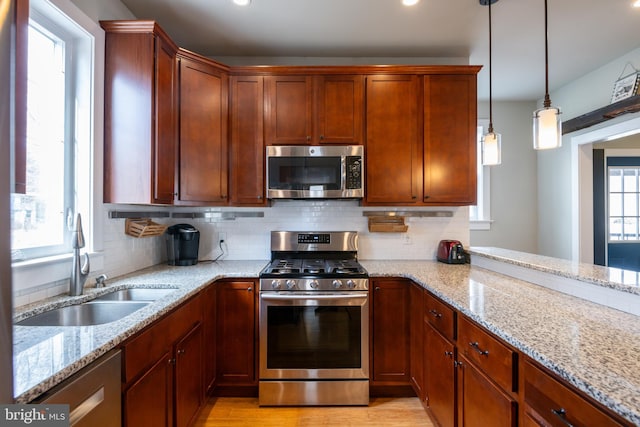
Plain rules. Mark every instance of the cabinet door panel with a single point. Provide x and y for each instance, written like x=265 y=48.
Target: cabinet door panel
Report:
x=340 y=105
x=390 y=336
x=289 y=106
x=247 y=141
x=203 y=133
x=394 y=151
x=148 y=401
x=165 y=123
x=450 y=122
x=416 y=294
x=440 y=376
x=188 y=378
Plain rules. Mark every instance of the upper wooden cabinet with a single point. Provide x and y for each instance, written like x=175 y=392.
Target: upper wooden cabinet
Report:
x=247 y=152
x=450 y=158
x=203 y=89
x=393 y=148
x=314 y=109
x=140 y=113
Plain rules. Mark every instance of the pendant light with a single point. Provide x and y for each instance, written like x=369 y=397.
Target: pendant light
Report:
x=491 y=141
x=547 y=126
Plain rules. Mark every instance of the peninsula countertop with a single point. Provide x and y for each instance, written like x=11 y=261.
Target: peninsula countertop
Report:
x=591 y=346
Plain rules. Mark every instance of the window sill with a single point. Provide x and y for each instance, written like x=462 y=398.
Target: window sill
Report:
x=40 y=272
x=478 y=225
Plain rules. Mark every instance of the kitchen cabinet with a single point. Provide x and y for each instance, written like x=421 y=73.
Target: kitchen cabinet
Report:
x=140 y=145
x=209 y=336
x=390 y=332
x=450 y=122
x=314 y=109
x=416 y=345
x=203 y=116
x=548 y=402
x=393 y=147
x=236 y=337
x=163 y=370
x=247 y=153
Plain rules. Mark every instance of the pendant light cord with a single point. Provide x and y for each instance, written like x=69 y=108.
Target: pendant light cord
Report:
x=547 y=100
x=490 y=77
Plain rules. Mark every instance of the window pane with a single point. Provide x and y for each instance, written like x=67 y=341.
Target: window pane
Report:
x=630 y=228
x=615 y=204
x=615 y=180
x=615 y=228
x=38 y=216
x=630 y=204
x=630 y=180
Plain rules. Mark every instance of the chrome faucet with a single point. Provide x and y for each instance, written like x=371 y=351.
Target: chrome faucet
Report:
x=78 y=274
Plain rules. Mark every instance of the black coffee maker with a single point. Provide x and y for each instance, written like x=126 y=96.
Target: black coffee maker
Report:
x=182 y=244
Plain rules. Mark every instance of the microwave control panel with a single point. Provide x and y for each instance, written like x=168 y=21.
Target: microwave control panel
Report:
x=354 y=172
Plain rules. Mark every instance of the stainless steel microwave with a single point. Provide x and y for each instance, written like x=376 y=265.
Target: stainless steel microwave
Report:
x=315 y=172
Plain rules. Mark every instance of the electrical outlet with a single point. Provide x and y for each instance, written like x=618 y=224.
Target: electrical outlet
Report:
x=406 y=239
x=222 y=236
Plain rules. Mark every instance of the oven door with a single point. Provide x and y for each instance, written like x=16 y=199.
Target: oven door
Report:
x=314 y=335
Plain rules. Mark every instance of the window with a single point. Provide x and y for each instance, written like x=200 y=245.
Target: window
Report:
x=59 y=134
x=480 y=214
x=624 y=199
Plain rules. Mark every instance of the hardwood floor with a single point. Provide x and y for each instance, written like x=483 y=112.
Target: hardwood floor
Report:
x=234 y=411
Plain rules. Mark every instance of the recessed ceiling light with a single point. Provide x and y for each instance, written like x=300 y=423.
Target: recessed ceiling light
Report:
x=242 y=2
x=410 y=2
x=636 y=3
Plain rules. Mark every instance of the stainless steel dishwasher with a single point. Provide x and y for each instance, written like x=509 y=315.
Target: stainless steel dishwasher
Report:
x=93 y=393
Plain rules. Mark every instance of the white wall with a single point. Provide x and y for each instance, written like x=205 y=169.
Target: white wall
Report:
x=554 y=175
x=514 y=203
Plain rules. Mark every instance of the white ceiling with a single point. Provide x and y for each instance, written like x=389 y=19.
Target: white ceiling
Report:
x=583 y=34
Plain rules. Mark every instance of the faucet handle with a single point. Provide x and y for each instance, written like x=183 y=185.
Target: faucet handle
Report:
x=86 y=266
x=100 y=280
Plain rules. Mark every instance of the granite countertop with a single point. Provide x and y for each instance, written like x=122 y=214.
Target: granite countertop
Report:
x=591 y=346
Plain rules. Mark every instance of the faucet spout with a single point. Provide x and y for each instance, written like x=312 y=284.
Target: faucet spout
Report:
x=79 y=273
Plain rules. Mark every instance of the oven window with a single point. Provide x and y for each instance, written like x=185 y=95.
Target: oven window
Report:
x=312 y=337
x=305 y=173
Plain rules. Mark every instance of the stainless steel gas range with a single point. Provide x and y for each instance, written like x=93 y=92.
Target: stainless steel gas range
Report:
x=314 y=321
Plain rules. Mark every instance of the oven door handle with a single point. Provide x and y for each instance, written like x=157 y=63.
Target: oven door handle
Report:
x=311 y=295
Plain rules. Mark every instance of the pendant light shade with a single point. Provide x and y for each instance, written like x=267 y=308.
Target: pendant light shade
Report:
x=491 y=142
x=547 y=126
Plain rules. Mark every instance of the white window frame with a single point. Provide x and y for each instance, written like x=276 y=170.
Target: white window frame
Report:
x=41 y=273
x=480 y=214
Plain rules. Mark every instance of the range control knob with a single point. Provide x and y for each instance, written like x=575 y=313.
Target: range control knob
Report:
x=351 y=284
x=275 y=284
x=291 y=284
x=337 y=284
x=313 y=284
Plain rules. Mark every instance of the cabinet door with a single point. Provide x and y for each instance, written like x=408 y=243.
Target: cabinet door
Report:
x=209 y=332
x=416 y=304
x=480 y=401
x=440 y=377
x=450 y=159
x=236 y=332
x=390 y=332
x=339 y=109
x=288 y=109
x=188 y=376
x=148 y=402
x=394 y=149
x=203 y=133
x=164 y=164
x=247 y=141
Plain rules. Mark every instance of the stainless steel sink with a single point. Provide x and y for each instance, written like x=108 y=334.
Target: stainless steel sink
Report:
x=84 y=314
x=135 y=294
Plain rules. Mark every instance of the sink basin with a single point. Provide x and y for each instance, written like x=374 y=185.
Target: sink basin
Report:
x=83 y=314
x=135 y=294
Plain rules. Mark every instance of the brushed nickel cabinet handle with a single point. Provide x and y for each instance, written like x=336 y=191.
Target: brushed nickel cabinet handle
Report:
x=562 y=416
x=435 y=313
x=476 y=347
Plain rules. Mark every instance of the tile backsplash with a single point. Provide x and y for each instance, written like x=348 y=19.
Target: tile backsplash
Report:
x=248 y=238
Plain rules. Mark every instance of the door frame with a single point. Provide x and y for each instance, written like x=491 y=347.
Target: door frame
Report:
x=582 y=181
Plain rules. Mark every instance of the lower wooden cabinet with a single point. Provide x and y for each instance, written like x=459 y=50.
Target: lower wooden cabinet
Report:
x=440 y=376
x=236 y=335
x=549 y=403
x=163 y=370
x=390 y=329
x=416 y=306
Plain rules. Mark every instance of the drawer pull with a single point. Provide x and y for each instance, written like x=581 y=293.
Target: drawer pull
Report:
x=562 y=414
x=435 y=314
x=476 y=347
x=449 y=354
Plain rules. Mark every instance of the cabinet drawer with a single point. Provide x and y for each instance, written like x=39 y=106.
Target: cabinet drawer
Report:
x=440 y=316
x=549 y=402
x=146 y=347
x=488 y=353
